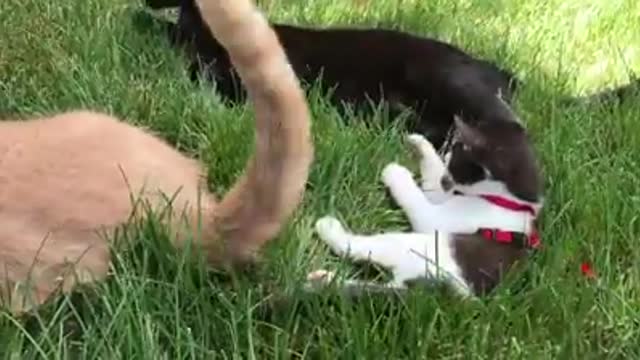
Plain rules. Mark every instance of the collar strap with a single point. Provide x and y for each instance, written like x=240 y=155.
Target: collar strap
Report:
x=509 y=204
x=511 y=237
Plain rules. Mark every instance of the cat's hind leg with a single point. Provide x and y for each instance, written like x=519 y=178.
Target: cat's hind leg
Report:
x=409 y=256
x=318 y=279
x=402 y=253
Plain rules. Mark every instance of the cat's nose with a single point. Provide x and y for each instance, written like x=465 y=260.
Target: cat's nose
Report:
x=446 y=182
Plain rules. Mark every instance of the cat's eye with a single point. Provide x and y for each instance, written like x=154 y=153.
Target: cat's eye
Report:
x=466 y=147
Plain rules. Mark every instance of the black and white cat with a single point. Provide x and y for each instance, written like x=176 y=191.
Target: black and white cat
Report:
x=472 y=220
x=432 y=79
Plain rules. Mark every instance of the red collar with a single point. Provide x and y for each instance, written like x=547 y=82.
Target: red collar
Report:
x=533 y=240
x=508 y=204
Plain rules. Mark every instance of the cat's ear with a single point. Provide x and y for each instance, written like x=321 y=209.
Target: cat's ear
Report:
x=469 y=134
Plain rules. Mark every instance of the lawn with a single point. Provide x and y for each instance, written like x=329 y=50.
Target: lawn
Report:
x=58 y=55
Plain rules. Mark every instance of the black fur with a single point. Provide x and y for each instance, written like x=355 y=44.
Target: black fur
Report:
x=502 y=151
x=485 y=263
x=497 y=150
x=433 y=78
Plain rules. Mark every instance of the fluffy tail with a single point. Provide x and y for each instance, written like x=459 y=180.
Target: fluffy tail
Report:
x=607 y=96
x=261 y=201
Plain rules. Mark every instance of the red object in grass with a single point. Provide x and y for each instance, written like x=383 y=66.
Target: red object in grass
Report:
x=587 y=271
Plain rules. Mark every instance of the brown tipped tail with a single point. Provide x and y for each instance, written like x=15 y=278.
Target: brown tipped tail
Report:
x=262 y=200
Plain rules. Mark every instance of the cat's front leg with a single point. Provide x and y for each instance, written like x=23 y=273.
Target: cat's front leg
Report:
x=432 y=168
x=409 y=197
x=455 y=215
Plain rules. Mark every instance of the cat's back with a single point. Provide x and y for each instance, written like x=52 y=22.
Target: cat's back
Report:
x=83 y=166
x=380 y=42
x=84 y=137
x=73 y=125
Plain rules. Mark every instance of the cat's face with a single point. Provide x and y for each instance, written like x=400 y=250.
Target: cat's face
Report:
x=492 y=158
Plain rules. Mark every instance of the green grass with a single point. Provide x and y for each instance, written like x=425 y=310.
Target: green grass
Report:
x=58 y=55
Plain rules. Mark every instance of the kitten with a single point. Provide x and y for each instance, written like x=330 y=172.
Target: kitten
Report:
x=473 y=220
x=432 y=79
x=68 y=177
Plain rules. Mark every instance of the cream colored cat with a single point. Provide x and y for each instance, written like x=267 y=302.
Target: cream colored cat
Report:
x=65 y=178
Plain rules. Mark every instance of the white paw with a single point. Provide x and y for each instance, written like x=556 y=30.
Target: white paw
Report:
x=395 y=173
x=329 y=227
x=317 y=280
x=422 y=146
x=332 y=233
x=417 y=140
x=321 y=276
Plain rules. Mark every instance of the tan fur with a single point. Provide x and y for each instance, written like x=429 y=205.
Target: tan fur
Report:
x=65 y=178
